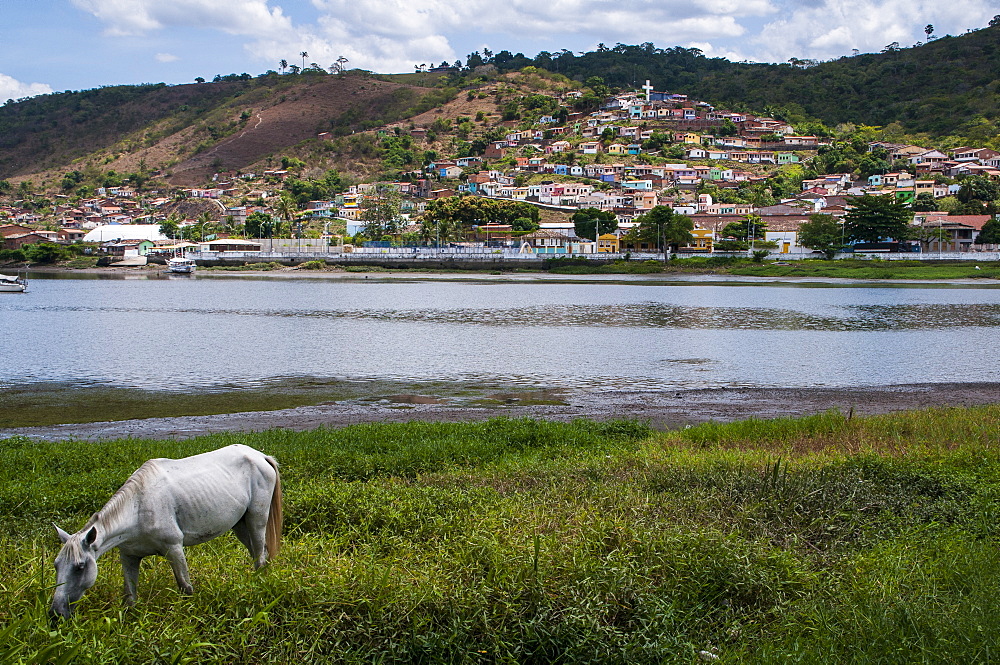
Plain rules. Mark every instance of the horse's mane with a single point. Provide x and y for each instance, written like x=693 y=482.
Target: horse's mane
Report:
x=111 y=510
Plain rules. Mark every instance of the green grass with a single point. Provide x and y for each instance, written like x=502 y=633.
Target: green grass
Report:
x=843 y=268
x=823 y=539
x=874 y=269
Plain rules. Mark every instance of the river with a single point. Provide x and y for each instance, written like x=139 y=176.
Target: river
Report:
x=582 y=334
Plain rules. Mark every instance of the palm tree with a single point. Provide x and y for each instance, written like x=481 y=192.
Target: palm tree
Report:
x=286 y=209
x=341 y=61
x=304 y=56
x=283 y=65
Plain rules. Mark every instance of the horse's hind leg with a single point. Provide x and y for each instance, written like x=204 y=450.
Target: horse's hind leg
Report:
x=130 y=571
x=178 y=562
x=252 y=535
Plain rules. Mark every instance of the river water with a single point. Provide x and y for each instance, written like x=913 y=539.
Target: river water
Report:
x=586 y=334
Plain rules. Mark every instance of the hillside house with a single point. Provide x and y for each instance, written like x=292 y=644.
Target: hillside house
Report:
x=801 y=141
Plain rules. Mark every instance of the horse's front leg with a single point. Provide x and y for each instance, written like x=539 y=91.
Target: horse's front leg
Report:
x=130 y=571
x=175 y=555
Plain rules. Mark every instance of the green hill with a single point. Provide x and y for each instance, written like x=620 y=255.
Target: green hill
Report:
x=945 y=87
x=196 y=129
x=948 y=87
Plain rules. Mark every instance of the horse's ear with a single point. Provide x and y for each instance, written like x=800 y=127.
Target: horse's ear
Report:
x=91 y=536
x=63 y=536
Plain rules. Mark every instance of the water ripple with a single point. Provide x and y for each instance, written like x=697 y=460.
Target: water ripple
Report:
x=641 y=315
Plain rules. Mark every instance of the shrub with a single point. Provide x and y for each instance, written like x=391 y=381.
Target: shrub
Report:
x=12 y=256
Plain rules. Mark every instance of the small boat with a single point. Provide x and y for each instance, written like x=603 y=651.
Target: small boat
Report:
x=12 y=284
x=181 y=265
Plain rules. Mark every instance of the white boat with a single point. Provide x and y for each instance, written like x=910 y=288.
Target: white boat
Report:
x=182 y=265
x=12 y=284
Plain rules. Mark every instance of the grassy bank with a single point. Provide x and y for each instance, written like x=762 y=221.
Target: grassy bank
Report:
x=814 y=540
x=874 y=269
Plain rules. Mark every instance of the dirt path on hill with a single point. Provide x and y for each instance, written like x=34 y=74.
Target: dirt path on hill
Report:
x=664 y=410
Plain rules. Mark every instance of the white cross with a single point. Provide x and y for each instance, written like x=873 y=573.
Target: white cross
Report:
x=648 y=88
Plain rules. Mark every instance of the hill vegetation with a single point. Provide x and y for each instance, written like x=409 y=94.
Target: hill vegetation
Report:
x=197 y=128
x=947 y=87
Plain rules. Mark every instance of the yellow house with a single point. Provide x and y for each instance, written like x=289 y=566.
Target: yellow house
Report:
x=701 y=241
x=607 y=244
x=691 y=138
x=617 y=149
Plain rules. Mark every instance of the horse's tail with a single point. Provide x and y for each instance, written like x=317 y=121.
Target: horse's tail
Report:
x=272 y=533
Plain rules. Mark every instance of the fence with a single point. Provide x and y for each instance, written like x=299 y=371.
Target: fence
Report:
x=491 y=255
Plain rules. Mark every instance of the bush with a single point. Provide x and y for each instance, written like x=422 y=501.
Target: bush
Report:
x=12 y=256
x=47 y=252
x=313 y=265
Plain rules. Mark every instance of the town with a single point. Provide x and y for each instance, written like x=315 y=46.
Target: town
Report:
x=561 y=181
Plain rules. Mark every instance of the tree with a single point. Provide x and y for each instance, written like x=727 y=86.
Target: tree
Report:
x=990 y=233
x=928 y=30
x=304 y=56
x=876 y=219
x=925 y=203
x=170 y=227
x=978 y=188
x=600 y=89
x=46 y=252
x=259 y=225
x=822 y=233
x=751 y=228
x=380 y=213
x=199 y=79
x=286 y=209
x=587 y=220
x=283 y=65
x=665 y=228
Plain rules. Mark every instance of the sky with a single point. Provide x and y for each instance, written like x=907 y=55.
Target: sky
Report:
x=56 y=45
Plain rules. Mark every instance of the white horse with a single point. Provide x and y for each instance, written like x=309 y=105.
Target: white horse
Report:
x=167 y=504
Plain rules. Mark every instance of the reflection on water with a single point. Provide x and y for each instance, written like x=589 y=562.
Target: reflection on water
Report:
x=638 y=315
x=238 y=334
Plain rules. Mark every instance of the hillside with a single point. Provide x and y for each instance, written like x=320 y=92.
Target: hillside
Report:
x=194 y=130
x=937 y=88
x=945 y=88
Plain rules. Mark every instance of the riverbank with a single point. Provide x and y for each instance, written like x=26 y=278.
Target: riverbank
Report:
x=822 y=539
x=933 y=270
x=663 y=410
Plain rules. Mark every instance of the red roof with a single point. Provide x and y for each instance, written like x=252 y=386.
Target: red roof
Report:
x=975 y=221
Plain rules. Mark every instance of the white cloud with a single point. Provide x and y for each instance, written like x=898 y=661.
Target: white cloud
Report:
x=11 y=88
x=136 y=17
x=832 y=28
x=393 y=35
x=165 y=57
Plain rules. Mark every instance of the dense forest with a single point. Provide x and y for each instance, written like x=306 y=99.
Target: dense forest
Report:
x=947 y=86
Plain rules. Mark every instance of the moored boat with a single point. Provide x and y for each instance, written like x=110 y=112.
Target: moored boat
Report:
x=13 y=284
x=181 y=265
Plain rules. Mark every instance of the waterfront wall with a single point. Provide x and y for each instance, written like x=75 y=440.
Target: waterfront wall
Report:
x=488 y=258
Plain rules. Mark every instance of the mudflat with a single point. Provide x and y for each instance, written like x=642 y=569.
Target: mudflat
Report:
x=662 y=409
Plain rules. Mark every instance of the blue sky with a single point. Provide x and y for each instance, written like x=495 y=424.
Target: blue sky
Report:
x=54 y=45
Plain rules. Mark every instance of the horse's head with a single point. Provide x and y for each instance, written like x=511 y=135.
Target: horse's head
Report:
x=76 y=569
